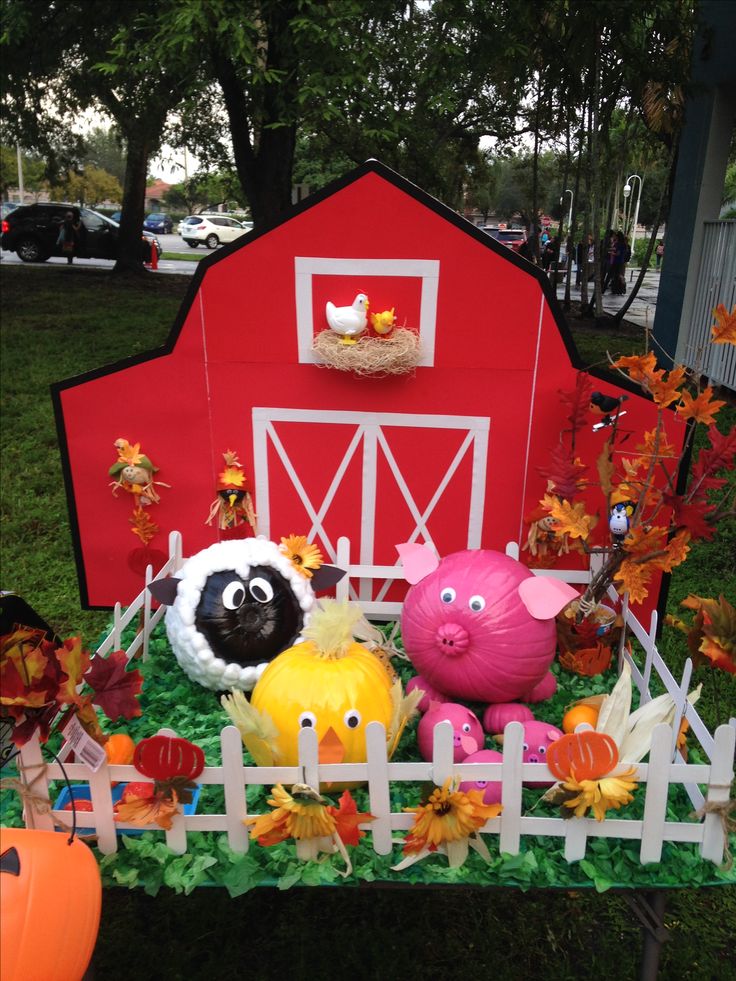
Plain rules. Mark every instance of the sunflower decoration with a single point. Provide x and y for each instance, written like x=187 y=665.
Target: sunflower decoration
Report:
x=596 y=769
x=448 y=822
x=233 y=505
x=305 y=557
x=316 y=825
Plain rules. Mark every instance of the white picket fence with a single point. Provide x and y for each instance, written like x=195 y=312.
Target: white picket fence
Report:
x=665 y=766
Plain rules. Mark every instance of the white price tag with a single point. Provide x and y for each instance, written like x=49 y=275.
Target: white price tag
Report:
x=89 y=752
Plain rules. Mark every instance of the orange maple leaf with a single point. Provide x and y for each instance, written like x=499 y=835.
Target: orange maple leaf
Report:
x=724 y=329
x=24 y=650
x=665 y=391
x=701 y=409
x=347 y=819
x=676 y=552
x=641 y=367
x=149 y=810
x=569 y=519
x=143 y=527
x=74 y=661
x=641 y=541
x=633 y=577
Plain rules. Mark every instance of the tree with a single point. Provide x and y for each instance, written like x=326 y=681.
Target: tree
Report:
x=105 y=148
x=90 y=186
x=205 y=191
x=34 y=171
x=90 y=65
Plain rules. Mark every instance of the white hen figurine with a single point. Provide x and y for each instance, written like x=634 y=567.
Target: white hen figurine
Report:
x=348 y=321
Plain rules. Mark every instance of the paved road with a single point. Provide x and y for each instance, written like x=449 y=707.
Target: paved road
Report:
x=643 y=308
x=169 y=243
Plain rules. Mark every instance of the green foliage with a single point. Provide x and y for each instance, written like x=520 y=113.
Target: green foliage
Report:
x=34 y=170
x=89 y=187
x=104 y=148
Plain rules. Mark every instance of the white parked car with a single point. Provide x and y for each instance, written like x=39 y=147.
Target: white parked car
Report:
x=211 y=229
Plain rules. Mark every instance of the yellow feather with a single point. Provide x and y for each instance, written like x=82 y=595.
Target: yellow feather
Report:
x=403 y=707
x=333 y=625
x=256 y=729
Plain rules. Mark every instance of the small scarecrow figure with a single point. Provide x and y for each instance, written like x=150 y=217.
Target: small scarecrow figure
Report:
x=233 y=505
x=133 y=473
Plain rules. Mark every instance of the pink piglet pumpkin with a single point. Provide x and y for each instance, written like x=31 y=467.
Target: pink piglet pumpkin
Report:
x=467 y=732
x=478 y=625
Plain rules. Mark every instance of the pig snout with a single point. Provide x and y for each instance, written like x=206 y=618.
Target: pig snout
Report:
x=533 y=758
x=452 y=639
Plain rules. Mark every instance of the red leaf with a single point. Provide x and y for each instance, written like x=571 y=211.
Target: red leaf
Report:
x=691 y=516
x=578 y=400
x=564 y=473
x=115 y=688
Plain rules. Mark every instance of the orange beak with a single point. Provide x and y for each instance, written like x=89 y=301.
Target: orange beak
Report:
x=331 y=749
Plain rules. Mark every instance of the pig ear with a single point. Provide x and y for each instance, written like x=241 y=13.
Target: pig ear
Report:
x=164 y=590
x=418 y=561
x=553 y=735
x=325 y=576
x=544 y=596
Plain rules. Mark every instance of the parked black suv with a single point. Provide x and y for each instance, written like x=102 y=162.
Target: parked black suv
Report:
x=32 y=231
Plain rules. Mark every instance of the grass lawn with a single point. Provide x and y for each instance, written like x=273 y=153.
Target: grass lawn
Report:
x=58 y=322
x=183 y=256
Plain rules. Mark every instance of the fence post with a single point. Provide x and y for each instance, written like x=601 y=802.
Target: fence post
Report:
x=342 y=589
x=443 y=753
x=309 y=763
x=719 y=788
x=513 y=739
x=175 y=551
x=176 y=838
x=32 y=770
x=117 y=633
x=101 y=797
x=236 y=805
x=655 y=804
x=651 y=647
x=378 y=787
x=147 y=611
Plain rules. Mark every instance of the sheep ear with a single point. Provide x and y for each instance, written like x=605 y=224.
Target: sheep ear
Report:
x=325 y=577
x=164 y=590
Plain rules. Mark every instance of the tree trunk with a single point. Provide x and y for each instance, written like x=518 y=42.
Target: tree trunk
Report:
x=133 y=207
x=264 y=151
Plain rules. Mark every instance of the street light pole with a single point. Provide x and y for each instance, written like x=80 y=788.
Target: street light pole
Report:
x=569 y=214
x=627 y=192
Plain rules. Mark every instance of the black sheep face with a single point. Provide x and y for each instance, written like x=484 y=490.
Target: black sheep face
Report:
x=248 y=621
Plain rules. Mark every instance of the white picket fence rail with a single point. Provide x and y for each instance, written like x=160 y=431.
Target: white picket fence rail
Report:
x=665 y=766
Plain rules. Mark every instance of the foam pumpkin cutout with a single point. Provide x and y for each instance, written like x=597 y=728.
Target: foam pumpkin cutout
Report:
x=329 y=683
x=50 y=901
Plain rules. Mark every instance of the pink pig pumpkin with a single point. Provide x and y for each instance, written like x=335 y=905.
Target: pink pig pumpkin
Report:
x=538 y=736
x=491 y=788
x=467 y=732
x=478 y=625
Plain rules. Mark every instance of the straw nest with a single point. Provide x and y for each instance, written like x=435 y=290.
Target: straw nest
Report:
x=397 y=354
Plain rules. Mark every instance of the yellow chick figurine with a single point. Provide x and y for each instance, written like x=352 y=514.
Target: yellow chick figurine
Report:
x=330 y=683
x=383 y=323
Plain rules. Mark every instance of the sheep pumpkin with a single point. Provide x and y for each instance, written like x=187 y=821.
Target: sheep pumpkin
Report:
x=43 y=935
x=330 y=683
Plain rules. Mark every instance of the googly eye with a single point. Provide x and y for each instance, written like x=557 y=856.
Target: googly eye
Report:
x=260 y=590
x=466 y=727
x=307 y=720
x=542 y=750
x=477 y=603
x=352 y=718
x=448 y=595
x=233 y=595
x=525 y=747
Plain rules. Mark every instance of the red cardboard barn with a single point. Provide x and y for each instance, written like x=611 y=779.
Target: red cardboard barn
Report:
x=447 y=454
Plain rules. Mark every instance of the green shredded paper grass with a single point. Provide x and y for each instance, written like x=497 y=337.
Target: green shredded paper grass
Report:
x=170 y=699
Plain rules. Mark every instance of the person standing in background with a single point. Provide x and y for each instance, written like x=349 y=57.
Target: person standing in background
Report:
x=659 y=252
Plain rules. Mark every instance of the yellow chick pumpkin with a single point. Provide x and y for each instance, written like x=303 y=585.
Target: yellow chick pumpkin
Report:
x=330 y=683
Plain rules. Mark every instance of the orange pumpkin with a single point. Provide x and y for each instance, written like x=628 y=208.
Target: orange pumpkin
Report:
x=582 y=755
x=50 y=900
x=120 y=748
x=577 y=715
